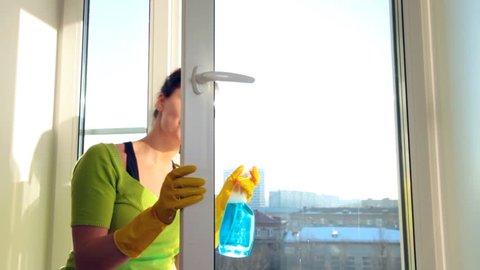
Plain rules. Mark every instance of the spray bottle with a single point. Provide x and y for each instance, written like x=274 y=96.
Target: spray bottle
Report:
x=238 y=226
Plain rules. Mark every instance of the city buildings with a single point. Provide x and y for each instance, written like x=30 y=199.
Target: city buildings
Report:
x=305 y=230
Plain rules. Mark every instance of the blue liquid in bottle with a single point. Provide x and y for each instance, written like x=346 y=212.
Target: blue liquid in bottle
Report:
x=237 y=230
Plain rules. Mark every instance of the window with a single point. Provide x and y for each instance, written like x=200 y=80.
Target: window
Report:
x=319 y=122
x=333 y=83
x=115 y=81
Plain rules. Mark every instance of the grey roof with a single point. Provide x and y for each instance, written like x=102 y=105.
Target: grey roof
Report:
x=264 y=219
x=344 y=234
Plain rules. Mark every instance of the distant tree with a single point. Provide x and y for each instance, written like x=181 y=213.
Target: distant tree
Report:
x=384 y=260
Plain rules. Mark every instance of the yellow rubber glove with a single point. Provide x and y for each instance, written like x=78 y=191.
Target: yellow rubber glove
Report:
x=178 y=191
x=247 y=183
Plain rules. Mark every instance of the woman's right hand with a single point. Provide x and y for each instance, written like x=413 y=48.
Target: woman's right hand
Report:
x=178 y=191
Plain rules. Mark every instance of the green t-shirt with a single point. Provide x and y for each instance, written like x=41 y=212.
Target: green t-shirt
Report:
x=105 y=195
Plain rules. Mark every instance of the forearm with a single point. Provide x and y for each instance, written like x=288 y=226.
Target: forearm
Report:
x=97 y=251
x=95 y=248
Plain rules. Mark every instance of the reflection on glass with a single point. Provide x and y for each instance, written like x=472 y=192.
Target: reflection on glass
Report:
x=319 y=122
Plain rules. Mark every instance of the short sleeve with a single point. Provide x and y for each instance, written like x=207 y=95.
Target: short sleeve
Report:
x=94 y=188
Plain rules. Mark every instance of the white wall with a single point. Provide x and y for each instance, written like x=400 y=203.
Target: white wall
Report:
x=28 y=48
x=443 y=63
x=66 y=127
x=456 y=53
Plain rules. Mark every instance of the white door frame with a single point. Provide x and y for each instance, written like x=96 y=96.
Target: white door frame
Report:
x=197 y=226
x=197 y=241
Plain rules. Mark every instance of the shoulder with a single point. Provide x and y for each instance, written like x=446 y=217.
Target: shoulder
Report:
x=99 y=164
x=99 y=155
x=99 y=149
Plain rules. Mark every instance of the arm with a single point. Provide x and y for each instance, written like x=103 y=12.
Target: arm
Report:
x=95 y=249
x=93 y=198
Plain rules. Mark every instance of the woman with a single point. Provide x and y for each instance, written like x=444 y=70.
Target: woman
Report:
x=125 y=197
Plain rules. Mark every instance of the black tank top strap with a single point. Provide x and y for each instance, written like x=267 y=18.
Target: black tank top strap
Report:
x=174 y=165
x=132 y=166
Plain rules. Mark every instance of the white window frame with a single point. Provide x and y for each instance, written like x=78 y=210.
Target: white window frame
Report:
x=66 y=128
x=197 y=221
x=424 y=249
x=416 y=23
x=429 y=247
x=165 y=45
x=164 y=57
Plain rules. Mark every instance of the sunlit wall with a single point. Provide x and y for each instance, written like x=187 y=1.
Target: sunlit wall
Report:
x=28 y=49
x=456 y=55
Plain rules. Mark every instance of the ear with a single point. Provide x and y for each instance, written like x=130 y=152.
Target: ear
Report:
x=159 y=103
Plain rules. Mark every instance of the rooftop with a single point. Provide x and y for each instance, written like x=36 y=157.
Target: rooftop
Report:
x=344 y=234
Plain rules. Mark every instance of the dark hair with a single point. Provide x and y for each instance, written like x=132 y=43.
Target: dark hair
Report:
x=171 y=83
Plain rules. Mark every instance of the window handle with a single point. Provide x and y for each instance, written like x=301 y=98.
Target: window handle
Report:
x=200 y=78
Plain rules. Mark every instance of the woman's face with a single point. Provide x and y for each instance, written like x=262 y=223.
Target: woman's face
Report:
x=170 y=113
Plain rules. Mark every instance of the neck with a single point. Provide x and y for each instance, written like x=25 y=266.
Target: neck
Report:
x=160 y=143
x=158 y=148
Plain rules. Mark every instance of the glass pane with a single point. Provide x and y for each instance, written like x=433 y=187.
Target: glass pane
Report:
x=319 y=122
x=117 y=64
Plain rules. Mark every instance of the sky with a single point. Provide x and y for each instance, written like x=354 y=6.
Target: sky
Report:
x=117 y=63
x=320 y=116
